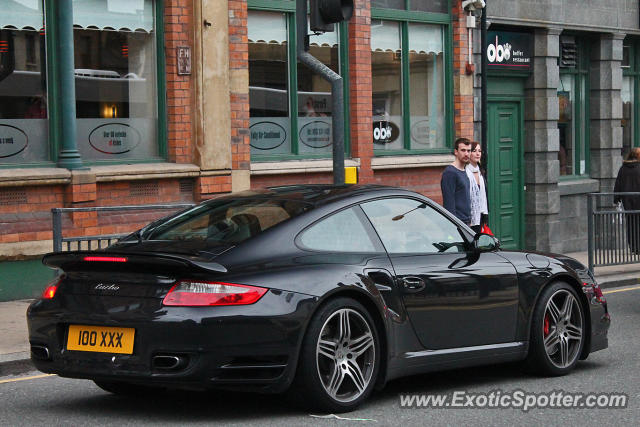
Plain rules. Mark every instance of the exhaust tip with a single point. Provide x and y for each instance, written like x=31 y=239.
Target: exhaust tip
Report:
x=40 y=352
x=168 y=362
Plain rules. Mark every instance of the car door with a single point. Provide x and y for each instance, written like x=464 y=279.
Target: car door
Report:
x=454 y=296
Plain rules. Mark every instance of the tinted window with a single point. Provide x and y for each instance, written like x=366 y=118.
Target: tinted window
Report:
x=226 y=221
x=341 y=232
x=410 y=226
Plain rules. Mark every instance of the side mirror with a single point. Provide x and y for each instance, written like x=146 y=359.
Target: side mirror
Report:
x=485 y=243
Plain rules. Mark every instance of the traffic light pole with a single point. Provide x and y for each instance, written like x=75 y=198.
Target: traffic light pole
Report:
x=337 y=89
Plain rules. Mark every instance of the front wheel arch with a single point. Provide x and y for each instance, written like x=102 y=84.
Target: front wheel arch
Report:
x=571 y=281
x=538 y=359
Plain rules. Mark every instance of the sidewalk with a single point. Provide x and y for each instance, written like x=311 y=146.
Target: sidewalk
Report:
x=14 y=345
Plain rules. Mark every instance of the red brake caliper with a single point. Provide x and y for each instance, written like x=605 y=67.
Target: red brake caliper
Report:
x=546 y=325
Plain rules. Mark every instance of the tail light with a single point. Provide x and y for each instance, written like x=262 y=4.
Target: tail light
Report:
x=51 y=288
x=105 y=259
x=193 y=293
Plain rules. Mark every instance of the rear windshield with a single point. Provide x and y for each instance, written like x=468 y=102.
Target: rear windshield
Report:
x=226 y=221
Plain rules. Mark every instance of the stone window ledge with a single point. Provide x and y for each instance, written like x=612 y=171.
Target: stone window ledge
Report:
x=406 y=162
x=578 y=186
x=142 y=171
x=21 y=177
x=298 y=166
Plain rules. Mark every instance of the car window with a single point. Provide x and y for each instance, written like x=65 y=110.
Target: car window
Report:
x=227 y=221
x=410 y=226
x=341 y=232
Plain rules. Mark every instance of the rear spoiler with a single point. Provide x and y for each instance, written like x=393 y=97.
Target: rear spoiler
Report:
x=90 y=260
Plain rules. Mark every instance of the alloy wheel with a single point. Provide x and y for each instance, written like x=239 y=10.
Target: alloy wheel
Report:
x=562 y=328
x=345 y=355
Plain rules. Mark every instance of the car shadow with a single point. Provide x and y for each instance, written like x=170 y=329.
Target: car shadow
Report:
x=490 y=377
x=235 y=406
x=178 y=406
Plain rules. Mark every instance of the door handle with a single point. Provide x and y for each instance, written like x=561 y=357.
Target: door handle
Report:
x=413 y=283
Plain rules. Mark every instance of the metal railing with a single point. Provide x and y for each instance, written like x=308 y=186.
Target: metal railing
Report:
x=97 y=242
x=613 y=233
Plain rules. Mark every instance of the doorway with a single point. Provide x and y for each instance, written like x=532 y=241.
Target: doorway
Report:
x=505 y=172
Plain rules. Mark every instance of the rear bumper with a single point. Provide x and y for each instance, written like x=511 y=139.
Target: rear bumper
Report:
x=249 y=347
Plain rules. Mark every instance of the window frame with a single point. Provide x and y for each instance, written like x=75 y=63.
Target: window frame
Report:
x=55 y=108
x=404 y=17
x=633 y=71
x=581 y=127
x=288 y=7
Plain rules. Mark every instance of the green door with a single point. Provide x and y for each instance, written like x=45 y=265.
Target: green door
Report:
x=505 y=173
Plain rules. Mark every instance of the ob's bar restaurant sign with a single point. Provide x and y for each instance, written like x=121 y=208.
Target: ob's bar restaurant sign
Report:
x=508 y=50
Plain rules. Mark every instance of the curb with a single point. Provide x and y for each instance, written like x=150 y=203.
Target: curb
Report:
x=16 y=363
x=615 y=282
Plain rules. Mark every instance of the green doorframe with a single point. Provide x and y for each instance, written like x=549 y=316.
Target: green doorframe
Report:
x=508 y=89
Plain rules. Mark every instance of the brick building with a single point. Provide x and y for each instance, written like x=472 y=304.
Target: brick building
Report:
x=101 y=105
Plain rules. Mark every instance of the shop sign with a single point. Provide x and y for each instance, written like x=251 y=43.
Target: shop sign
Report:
x=421 y=132
x=385 y=132
x=509 y=50
x=114 y=138
x=316 y=134
x=267 y=135
x=12 y=141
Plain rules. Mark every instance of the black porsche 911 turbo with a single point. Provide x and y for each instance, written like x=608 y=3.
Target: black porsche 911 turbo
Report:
x=328 y=290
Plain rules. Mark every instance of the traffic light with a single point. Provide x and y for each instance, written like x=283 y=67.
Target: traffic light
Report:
x=325 y=13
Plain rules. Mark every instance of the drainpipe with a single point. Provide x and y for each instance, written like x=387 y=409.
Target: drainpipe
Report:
x=337 y=94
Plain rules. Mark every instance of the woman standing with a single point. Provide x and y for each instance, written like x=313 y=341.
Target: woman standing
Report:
x=478 y=189
x=628 y=180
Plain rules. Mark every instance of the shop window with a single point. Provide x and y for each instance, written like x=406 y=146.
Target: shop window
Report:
x=409 y=80
x=23 y=91
x=115 y=73
x=290 y=105
x=116 y=82
x=573 y=103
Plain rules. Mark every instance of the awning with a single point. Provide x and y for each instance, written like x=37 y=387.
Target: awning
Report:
x=21 y=14
x=423 y=38
x=119 y=15
x=271 y=27
x=385 y=36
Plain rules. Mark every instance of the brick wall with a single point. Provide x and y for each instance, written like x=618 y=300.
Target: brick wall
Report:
x=180 y=97
x=360 y=88
x=25 y=212
x=239 y=64
x=463 y=101
x=425 y=181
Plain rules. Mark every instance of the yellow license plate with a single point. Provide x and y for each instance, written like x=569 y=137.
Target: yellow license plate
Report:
x=100 y=339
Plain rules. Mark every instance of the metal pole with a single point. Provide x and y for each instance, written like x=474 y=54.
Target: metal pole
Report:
x=57 y=229
x=69 y=156
x=337 y=94
x=590 y=230
x=483 y=85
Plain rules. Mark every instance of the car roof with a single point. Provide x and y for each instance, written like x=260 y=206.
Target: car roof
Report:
x=318 y=194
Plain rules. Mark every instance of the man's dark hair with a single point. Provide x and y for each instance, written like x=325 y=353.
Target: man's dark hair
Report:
x=463 y=141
